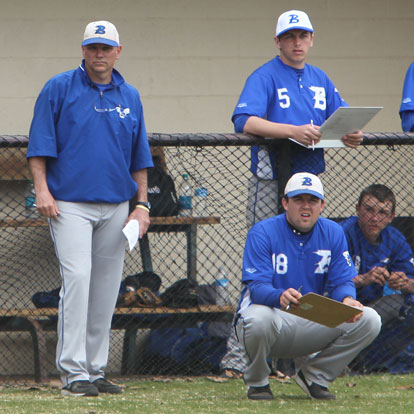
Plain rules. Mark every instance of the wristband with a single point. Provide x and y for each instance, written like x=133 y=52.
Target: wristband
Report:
x=143 y=207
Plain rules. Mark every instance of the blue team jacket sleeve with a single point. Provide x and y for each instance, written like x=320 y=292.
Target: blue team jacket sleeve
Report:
x=255 y=97
x=407 y=101
x=402 y=258
x=258 y=270
x=341 y=268
x=140 y=154
x=407 y=121
x=239 y=122
x=42 y=135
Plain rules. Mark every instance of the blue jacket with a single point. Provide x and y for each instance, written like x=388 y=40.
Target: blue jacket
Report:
x=93 y=136
x=393 y=252
x=280 y=93
x=276 y=258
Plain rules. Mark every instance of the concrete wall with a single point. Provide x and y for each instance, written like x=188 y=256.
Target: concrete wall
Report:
x=190 y=58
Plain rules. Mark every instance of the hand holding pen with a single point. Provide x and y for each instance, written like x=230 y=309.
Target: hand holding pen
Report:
x=292 y=294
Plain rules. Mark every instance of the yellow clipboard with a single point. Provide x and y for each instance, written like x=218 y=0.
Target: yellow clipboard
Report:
x=323 y=310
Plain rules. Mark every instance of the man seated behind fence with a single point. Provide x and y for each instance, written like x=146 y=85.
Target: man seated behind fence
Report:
x=384 y=262
x=283 y=253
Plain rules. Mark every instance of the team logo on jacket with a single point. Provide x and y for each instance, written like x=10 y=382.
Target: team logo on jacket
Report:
x=348 y=258
x=123 y=113
x=357 y=263
x=323 y=264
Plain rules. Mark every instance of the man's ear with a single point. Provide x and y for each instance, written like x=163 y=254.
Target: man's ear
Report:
x=322 y=205
x=119 y=50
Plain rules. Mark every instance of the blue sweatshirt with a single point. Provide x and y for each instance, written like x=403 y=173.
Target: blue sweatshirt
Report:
x=277 y=258
x=392 y=252
x=93 y=136
x=280 y=93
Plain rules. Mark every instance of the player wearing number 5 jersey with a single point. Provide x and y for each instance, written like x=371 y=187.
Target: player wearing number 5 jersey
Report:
x=298 y=249
x=286 y=98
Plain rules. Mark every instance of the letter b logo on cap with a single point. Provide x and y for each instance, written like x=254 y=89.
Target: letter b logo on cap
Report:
x=100 y=30
x=294 y=18
x=307 y=181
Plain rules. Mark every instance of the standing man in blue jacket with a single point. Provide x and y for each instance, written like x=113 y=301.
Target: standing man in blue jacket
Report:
x=385 y=273
x=284 y=257
x=286 y=98
x=88 y=154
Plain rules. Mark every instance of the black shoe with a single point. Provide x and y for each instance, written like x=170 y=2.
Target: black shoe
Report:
x=314 y=391
x=260 y=393
x=80 y=389
x=105 y=386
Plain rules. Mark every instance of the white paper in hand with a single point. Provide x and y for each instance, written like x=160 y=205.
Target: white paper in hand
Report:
x=131 y=232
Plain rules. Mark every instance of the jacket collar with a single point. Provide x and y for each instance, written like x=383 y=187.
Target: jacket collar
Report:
x=116 y=79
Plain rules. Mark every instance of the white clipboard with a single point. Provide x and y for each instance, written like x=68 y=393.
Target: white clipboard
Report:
x=344 y=120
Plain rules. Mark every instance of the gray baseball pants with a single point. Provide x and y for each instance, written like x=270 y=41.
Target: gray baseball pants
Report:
x=320 y=352
x=90 y=248
x=262 y=201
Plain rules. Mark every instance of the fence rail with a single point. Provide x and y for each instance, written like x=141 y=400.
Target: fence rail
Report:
x=220 y=161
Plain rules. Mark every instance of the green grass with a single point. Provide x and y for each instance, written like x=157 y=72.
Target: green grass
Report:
x=364 y=394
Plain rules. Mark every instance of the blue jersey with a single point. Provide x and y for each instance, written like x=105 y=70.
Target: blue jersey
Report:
x=282 y=94
x=277 y=258
x=93 y=136
x=392 y=252
x=407 y=102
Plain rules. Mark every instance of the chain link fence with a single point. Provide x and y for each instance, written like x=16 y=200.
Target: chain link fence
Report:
x=189 y=337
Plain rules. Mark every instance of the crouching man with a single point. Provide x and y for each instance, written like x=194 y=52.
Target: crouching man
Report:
x=286 y=256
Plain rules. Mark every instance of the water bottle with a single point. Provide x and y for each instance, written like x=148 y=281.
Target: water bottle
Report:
x=30 y=200
x=221 y=329
x=185 y=198
x=221 y=286
x=201 y=200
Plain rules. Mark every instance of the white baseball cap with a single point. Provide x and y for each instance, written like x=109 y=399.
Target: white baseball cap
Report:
x=293 y=19
x=101 y=32
x=304 y=183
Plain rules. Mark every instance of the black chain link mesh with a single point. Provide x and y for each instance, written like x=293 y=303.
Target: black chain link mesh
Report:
x=221 y=161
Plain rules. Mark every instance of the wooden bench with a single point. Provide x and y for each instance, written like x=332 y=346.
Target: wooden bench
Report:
x=38 y=321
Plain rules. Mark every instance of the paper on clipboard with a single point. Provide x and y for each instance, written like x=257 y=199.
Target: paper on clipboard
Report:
x=344 y=120
x=323 y=310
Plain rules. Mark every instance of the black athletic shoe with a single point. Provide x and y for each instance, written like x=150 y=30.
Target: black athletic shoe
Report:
x=314 y=391
x=104 y=386
x=80 y=389
x=260 y=393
